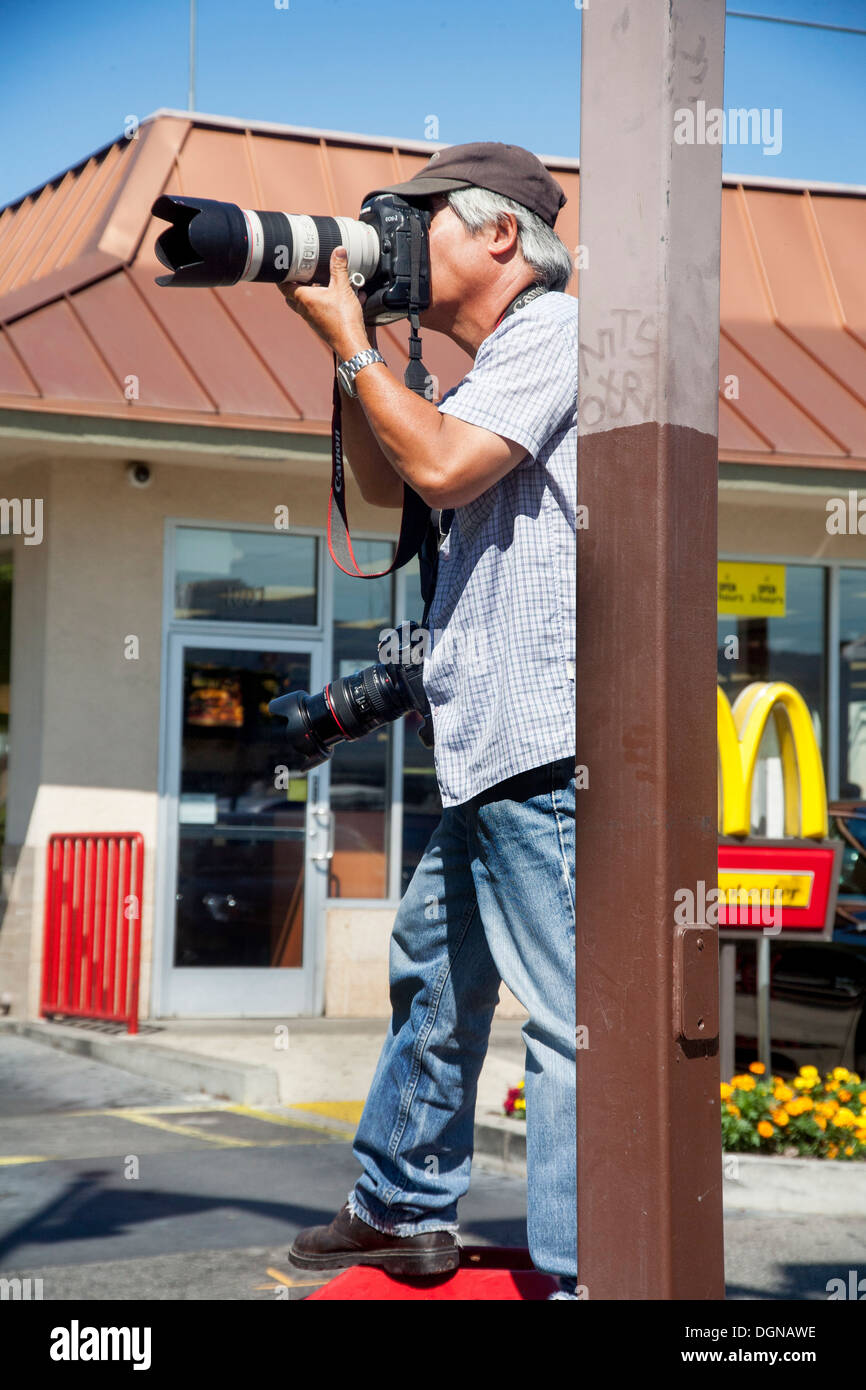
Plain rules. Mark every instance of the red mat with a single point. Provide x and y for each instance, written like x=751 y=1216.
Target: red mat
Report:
x=485 y=1272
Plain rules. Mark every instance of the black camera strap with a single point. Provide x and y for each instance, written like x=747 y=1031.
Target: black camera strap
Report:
x=415 y=520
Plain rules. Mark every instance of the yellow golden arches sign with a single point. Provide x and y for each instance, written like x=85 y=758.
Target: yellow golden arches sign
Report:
x=740 y=730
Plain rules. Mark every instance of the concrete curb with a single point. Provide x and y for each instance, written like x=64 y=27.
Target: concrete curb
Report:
x=752 y=1182
x=811 y=1186
x=500 y=1143
x=240 y=1082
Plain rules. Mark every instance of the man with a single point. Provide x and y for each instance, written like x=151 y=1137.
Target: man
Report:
x=493 y=896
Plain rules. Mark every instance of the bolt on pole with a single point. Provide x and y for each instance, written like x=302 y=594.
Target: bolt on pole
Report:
x=649 y=1185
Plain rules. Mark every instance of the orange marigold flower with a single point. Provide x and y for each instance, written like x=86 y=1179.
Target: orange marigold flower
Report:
x=726 y=1090
x=783 y=1092
x=820 y=1121
x=757 y=1067
x=845 y=1095
x=732 y=1109
x=765 y=1129
x=832 y=1150
x=780 y=1117
x=845 y=1118
x=849 y=1149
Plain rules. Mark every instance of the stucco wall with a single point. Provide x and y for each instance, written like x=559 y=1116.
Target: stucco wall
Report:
x=84 y=746
x=356 y=965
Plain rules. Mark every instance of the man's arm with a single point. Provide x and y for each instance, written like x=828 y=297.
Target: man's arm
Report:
x=445 y=460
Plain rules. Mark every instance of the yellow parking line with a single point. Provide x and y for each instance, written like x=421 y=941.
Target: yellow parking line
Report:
x=186 y=1131
x=148 y=1115
x=347 y=1110
x=291 y=1283
x=271 y=1117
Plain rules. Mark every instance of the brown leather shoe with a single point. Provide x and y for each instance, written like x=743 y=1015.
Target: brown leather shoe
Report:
x=350 y=1241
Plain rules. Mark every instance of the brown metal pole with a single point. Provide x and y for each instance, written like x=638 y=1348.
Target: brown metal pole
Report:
x=649 y=1139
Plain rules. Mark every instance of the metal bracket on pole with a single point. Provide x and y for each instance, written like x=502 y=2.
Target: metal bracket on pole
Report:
x=696 y=984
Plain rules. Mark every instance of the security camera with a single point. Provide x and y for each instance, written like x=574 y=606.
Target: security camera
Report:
x=138 y=474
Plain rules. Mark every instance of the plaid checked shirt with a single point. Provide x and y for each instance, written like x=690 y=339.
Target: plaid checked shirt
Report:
x=500 y=666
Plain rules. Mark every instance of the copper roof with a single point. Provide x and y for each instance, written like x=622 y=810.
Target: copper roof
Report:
x=80 y=313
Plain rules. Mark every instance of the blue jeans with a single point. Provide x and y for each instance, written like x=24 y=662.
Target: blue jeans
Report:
x=492 y=899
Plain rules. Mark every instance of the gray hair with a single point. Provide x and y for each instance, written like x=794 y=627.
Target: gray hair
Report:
x=541 y=248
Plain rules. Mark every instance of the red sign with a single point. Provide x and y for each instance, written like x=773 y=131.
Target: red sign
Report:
x=776 y=886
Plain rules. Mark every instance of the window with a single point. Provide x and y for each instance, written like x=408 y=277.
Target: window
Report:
x=360 y=780
x=245 y=576
x=5 y=656
x=788 y=648
x=852 y=684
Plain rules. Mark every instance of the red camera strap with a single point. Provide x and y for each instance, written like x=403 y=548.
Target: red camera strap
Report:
x=413 y=522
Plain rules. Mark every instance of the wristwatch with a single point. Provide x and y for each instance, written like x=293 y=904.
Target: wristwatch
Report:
x=348 y=370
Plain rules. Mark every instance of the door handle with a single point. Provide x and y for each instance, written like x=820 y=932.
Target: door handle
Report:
x=330 y=821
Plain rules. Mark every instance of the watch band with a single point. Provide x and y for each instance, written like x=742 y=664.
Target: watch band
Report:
x=348 y=370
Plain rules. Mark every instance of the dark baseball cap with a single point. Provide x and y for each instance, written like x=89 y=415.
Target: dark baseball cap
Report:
x=507 y=169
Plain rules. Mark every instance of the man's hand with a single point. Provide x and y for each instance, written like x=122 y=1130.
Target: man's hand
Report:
x=334 y=310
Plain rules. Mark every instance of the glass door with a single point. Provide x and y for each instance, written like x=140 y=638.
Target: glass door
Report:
x=248 y=841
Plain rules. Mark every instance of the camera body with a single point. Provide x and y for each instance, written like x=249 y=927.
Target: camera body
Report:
x=401 y=229
x=355 y=705
x=210 y=243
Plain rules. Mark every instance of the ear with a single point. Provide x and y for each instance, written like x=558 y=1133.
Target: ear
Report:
x=503 y=235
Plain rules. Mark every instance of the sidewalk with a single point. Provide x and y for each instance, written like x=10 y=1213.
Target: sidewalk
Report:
x=320 y=1067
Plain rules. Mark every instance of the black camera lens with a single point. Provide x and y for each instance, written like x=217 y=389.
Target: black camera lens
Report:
x=349 y=709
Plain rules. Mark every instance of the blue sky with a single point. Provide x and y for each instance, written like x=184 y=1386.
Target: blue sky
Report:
x=71 y=72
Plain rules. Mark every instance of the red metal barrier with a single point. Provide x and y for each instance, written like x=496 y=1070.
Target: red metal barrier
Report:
x=92 y=944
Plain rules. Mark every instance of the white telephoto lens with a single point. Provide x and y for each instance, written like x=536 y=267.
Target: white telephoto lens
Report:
x=255 y=244
x=362 y=244
x=305 y=248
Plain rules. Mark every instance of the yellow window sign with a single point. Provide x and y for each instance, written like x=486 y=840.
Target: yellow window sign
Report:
x=744 y=887
x=751 y=590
